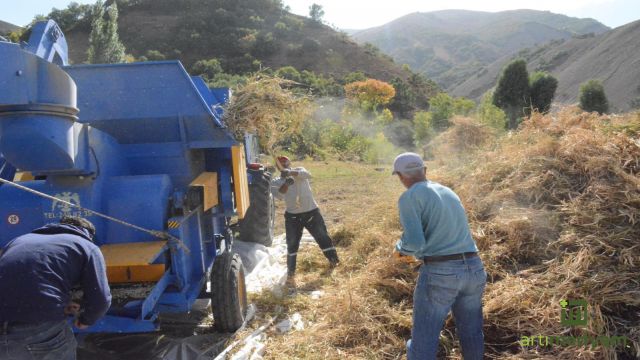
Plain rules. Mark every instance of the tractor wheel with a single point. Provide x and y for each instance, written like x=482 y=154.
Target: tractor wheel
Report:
x=257 y=225
x=228 y=292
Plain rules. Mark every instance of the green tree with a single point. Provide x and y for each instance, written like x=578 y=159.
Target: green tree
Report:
x=463 y=106
x=209 y=69
x=593 y=97
x=512 y=92
x=403 y=102
x=353 y=77
x=155 y=55
x=69 y=17
x=316 y=12
x=422 y=129
x=490 y=114
x=442 y=109
x=289 y=73
x=543 y=89
x=104 y=45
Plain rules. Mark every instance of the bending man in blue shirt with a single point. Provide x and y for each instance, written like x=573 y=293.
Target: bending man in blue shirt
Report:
x=37 y=272
x=452 y=277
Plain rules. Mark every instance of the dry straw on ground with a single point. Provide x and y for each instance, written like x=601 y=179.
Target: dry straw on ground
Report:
x=555 y=209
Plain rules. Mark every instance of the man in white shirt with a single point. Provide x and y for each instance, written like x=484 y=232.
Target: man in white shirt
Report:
x=301 y=212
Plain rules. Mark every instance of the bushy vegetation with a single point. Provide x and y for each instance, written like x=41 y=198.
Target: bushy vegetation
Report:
x=543 y=88
x=518 y=95
x=593 y=97
x=512 y=91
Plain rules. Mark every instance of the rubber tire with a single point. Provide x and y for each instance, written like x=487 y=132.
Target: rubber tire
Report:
x=228 y=292
x=257 y=225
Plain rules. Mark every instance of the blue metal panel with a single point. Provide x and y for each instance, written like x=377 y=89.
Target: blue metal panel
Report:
x=28 y=79
x=142 y=200
x=206 y=94
x=164 y=94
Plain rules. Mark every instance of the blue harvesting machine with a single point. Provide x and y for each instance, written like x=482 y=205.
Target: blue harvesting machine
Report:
x=140 y=150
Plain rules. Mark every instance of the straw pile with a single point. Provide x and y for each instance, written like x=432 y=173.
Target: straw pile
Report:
x=264 y=105
x=556 y=210
x=459 y=142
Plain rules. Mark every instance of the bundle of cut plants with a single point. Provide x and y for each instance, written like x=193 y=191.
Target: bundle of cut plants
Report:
x=266 y=106
x=460 y=141
x=555 y=209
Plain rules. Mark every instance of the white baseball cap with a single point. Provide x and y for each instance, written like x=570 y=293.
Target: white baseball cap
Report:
x=407 y=162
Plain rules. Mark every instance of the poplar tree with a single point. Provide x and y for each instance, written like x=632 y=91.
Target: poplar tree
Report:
x=104 y=44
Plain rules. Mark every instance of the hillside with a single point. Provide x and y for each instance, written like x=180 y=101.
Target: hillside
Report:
x=6 y=27
x=451 y=45
x=243 y=35
x=612 y=57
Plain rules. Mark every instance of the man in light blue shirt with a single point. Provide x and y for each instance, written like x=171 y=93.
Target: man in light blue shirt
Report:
x=452 y=277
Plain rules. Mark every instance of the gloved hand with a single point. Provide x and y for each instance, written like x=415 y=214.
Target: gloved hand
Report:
x=284 y=173
x=289 y=181
x=401 y=257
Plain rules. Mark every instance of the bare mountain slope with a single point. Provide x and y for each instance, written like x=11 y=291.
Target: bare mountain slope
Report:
x=612 y=57
x=6 y=27
x=449 y=46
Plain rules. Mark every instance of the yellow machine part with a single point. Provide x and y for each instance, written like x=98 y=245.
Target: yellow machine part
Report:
x=23 y=176
x=131 y=262
x=209 y=183
x=240 y=182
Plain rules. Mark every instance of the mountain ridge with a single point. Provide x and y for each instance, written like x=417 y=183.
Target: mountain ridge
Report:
x=612 y=57
x=450 y=45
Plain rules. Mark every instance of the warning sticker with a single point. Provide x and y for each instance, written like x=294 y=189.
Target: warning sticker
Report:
x=13 y=219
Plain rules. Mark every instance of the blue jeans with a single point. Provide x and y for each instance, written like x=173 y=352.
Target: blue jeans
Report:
x=45 y=341
x=442 y=286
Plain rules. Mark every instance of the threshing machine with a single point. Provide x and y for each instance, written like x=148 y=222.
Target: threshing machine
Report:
x=140 y=150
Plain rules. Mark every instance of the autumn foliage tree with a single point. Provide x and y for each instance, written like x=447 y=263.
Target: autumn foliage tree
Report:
x=370 y=94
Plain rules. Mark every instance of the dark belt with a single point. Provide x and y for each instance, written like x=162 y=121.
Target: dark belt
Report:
x=462 y=256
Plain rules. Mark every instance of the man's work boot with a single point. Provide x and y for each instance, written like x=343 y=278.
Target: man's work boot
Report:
x=291 y=281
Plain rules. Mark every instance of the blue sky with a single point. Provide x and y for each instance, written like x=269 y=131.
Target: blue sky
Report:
x=359 y=14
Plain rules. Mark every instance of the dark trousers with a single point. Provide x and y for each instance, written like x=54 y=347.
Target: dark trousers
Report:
x=314 y=223
x=45 y=341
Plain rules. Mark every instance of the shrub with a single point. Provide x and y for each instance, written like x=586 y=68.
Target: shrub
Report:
x=543 y=89
x=593 y=97
x=208 y=69
x=154 y=55
x=512 y=92
x=490 y=114
x=422 y=128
